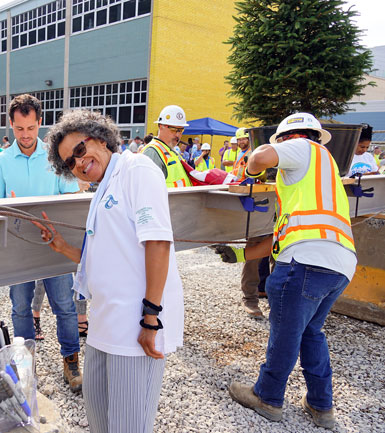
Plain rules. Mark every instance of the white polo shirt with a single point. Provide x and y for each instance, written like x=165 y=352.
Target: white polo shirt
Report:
x=134 y=209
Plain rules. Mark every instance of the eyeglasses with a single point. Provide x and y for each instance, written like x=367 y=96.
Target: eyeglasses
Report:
x=79 y=151
x=175 y=130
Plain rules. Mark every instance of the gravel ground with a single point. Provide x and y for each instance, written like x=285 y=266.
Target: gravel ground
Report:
x=221 y=344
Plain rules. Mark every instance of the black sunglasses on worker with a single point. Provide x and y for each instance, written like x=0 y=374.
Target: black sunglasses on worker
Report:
x=79 y=151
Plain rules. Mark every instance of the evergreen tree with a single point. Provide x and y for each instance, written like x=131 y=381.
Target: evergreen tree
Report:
x=295 y=55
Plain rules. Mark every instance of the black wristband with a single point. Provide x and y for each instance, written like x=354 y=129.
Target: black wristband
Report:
x=251 y=174
x=153 y=327
x=150 y=311
x=147 y=303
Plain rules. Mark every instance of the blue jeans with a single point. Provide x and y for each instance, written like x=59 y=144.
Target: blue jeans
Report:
x=300 y=298
x=60 y=296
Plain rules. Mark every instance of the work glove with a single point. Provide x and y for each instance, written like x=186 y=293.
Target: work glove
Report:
x=230 y=254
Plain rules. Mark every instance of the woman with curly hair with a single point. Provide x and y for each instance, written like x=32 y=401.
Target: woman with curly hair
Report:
x=127 y=268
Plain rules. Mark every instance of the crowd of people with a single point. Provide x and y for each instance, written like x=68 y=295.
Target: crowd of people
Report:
x=135 y=321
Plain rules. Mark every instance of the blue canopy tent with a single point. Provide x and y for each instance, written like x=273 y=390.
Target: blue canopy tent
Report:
x=209 y=126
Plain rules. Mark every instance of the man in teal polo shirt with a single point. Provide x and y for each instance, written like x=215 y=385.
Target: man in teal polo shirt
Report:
x=24 y=172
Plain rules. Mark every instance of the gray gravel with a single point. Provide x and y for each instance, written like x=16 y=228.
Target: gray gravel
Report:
x=221 y=344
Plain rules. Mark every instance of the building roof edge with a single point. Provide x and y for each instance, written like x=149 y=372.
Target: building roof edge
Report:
x=12 y=4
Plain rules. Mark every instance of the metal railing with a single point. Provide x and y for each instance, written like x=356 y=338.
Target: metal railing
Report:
x=378 y=138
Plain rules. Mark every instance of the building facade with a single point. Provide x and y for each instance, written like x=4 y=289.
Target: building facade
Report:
x=126 y=58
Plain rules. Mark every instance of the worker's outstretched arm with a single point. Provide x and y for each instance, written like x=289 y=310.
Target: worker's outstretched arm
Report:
x=262 y=158
x=235 y=255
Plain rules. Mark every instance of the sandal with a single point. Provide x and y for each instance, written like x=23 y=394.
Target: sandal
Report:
x=38 y=332
x=83 y=330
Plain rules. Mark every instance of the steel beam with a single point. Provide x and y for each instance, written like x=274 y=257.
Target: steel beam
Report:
x=207 y=213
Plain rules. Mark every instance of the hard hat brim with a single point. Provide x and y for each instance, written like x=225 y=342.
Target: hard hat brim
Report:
x=170 y=124
x=325 y=136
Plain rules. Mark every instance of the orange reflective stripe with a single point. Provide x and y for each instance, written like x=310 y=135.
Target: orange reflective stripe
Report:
x=279 y=201
x=317 y=227
x=321 y=212
x=323 y=234
x=184 y=182
x=175 y=184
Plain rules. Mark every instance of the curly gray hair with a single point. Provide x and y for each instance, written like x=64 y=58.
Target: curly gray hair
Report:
x=90 y=123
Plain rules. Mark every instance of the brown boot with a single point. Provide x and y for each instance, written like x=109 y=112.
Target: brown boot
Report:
x=72 y=373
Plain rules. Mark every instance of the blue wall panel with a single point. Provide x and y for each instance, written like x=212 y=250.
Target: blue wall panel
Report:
x=113 y=53
x=375 y=119
x=31 y=66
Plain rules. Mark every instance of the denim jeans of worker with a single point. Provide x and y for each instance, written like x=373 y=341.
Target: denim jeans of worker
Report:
x=60 y=296
x=300 y=297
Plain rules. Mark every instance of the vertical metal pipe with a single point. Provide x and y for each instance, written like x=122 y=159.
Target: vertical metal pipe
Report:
x=8 y=71
x=148 y=66
x=66 y=99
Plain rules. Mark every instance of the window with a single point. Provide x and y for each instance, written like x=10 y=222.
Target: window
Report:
x=144 y=7
x=129 y=8
x=113 y=99
x=3 y=111
x=47 y=21
x=52 y=105
x=96 y=13
x=3 y=36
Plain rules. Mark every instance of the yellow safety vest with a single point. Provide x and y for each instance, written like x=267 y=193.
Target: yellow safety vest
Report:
x=202 y=166
x=314 y=208
x=230 y=155
x=240 y=165
x=176 y=174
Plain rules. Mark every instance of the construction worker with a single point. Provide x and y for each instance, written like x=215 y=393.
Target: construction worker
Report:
x=240 y=164
x=171 y=121
x=250 y=274
x=231 y=155
x=204 y=161
x=315 y=258
x=376 y=155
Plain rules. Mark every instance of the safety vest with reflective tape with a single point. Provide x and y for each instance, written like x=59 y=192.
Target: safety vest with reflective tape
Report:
x=202 y=166
x=230 y=155
x=314 y=208
x=240 y=165
x=176 y=174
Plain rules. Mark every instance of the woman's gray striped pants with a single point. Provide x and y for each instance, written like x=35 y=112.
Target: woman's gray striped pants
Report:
x=121 y=393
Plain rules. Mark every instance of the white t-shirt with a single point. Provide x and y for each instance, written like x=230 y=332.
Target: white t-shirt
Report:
x=133 y=147
x=134 y=209
x=364 y=163
x=294 y=159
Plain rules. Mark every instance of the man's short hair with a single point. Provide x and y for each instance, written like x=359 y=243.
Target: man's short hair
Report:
x=137 y=137
x=5 y=138
x=148 y=138
x=25 y=104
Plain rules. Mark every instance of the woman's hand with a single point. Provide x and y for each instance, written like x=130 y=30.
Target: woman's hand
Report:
x=147 y=338
x=58 y=244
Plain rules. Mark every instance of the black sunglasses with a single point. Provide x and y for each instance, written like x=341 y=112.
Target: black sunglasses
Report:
x=79 y=151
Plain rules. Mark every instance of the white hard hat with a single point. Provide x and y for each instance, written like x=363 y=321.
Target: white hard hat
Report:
x=172 y=115
x=301 y=121
x=205 y=146
x=233 y=140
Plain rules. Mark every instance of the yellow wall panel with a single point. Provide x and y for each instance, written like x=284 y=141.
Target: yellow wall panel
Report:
x=189 y=60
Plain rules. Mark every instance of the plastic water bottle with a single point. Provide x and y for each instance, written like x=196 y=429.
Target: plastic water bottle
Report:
x=22 y=358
